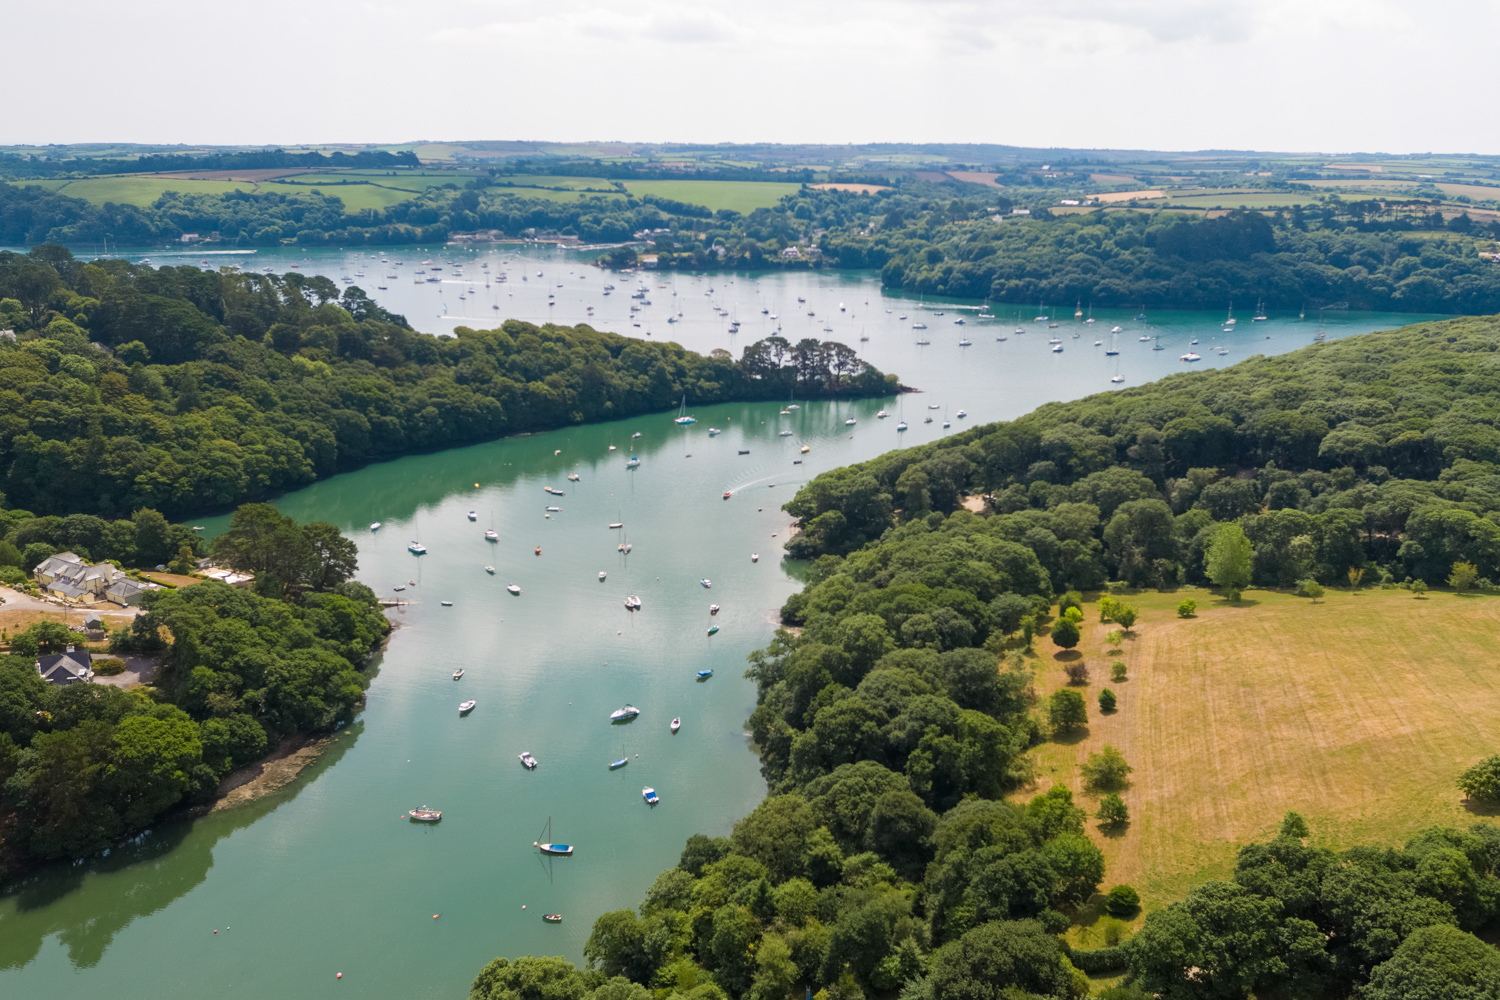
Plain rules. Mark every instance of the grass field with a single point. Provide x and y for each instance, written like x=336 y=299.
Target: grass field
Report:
x=1243 y=199
x=1358 y=712
x=571 y=183
x=737 y=196
x=549 y=194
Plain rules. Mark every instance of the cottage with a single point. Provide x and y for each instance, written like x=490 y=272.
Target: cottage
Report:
x=126 y=591
x=72 y=667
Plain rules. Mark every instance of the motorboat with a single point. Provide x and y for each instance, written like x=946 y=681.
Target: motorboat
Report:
x=649 y=794
x=623 y=713
x=1118 y=378
x=633 y=463
x=727 y=494
x=554 y=510
x=464 y=708
x=525 y=758
x=785 y=434
x=1192 y=356
x=473 y=516
x=1057 y=348
x=417 y=549
x=806 y=448
x=491 y=535
x=963 y=413
x=881 y=415
x=573 y=477
x=425 y=815
x=601 y=576
x=447 y=604
x=933 y=406
x=554 y=491
x=704 y=675
x=707 y=583
x=714 y=432
x=901 y=426
x=399 y=587
x=755 y=557
x=676 y=725
x=713 y=609
x=850 y=422
x=514 y=589
x=458 y=673
x=617 y=524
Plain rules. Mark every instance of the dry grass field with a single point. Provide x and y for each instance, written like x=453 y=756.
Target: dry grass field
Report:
x=1357 y=711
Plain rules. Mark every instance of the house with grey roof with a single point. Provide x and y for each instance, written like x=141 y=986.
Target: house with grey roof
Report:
x=75 y=666
x=67 y=576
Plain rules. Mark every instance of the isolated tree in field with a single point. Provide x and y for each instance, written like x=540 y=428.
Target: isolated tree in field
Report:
x=1228 y=559
x=1310 y=588
x=1187 y=609
x=1066 y=711
x=1077 y=671
x=1125 y=615
x=1107 y=606
x=1112 y=811
x=1463 y=577
x=1118 y=671
x=1356 y=574
x=1293 y=825
x=1113 y=637
x=1122 y=900
x=1419 y=589
x=1482 y=781
x=1106 y=770
x=1065 y=633
x=1107 y=700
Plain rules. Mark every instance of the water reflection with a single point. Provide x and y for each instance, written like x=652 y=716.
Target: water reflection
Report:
x=86 y=904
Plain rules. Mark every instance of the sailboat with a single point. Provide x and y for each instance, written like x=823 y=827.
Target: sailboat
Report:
x=682 y=414
x=547 y=847
x=1078 y=310
x=1260 y=312
x=1113 y=349
x=1230 y=321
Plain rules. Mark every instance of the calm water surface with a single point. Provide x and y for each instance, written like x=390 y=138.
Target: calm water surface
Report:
x=326 y=876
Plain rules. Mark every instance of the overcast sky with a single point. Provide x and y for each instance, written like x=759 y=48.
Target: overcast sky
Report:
x=1326 y=75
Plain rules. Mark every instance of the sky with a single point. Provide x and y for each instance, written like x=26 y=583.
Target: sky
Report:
x=1396 y=76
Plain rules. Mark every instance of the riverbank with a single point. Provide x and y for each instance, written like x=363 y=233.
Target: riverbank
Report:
x=271 y=773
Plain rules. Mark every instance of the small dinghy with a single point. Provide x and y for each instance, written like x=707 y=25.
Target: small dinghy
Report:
x=744 y=451
x=425 y=815
x=806 y=448
x=704 y=675
x=527 y=760
x=466 y=707
x=553 y=510
x=617 y=524
x=552 y=918
x=458 y=673
x=713 y=630
x=573 y=477
x=491 y=535
x=616 y=764
x=706 y=582
x=649 y=794
x=601 y=576
x=538 y=550
x=473 y=516
x=490 y=570
x=713 y=609
x=447 y=604
x=755 y=557
x=676 y=725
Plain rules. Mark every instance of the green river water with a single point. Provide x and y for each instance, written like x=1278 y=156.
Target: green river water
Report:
x=327 y=876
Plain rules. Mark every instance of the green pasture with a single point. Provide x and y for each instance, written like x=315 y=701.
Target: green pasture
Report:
x=737 y=196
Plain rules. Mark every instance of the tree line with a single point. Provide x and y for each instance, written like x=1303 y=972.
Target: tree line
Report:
x=85 y=764
x=184 y=390
x=1376 y=452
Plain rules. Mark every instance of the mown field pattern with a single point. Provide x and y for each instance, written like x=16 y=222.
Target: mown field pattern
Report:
x=737 y=196
x=1358 y=712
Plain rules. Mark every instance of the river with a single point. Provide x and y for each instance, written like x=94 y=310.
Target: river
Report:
x=327 y=876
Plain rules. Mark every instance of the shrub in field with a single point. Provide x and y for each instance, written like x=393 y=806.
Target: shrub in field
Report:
x=1106 y=700
x=1077 y=671
x=1187 y=609
x=1117 y=671
x=1122 y=900
x=1106 y=770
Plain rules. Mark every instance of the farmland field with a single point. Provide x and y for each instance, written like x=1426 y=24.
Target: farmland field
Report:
x=1246 y=199
x=549 y=194
x=738 y=196
x=571 y=183
x=1358 y=712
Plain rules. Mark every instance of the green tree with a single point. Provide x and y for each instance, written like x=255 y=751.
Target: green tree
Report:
x=1066 y=710
x=1122 y=901
x=1106 y=770
x=1482 y=780
x=1228 y=560
x=1065 y=633
x=1293 y=825
x=1118 y=671
x=1464 y=576
x=1419 y=589
x=1112 y=810
x=1437 y=963
x=1187 y=609
x=996 y=960
x=1106 y=701
x=1125 y=615
x=153 y=537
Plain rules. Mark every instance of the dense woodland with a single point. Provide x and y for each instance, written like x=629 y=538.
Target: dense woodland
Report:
x=931 y=238
x=184 y=390
x=893 y=721
x=1377 y=452
x=83 y=765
